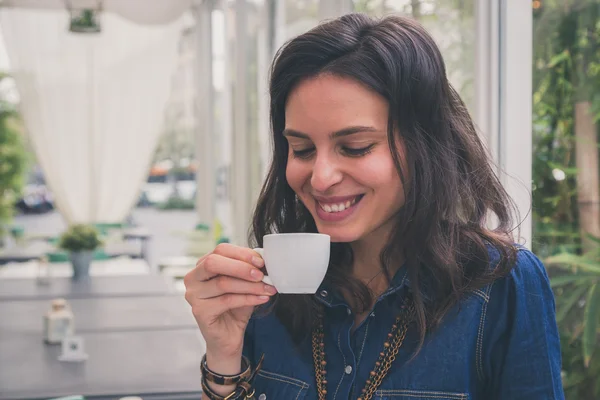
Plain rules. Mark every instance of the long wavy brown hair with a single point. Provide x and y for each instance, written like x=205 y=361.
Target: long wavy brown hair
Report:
x=443 y=230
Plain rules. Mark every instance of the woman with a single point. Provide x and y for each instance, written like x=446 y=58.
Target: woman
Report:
x=422 y=299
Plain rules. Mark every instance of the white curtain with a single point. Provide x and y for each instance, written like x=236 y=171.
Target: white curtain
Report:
x=93 y=105
x=148 y=12
x=140 y=11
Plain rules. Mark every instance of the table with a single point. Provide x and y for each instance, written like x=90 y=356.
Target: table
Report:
x=118 y=249
x=177 y=266
x=38 y=250
x=141 y=234
x=102 y=314
x=98 y=286
x=26 y=252
x=156 y=365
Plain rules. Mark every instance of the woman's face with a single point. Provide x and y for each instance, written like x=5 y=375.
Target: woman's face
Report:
x=339 y=163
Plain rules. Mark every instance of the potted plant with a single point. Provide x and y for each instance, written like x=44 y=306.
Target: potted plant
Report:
x=80 y=241
x=85 y=21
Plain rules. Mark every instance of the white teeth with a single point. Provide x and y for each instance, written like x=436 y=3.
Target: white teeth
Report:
x=338 y=207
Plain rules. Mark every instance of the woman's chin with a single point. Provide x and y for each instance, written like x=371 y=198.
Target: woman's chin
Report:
x=339 y=237
x=341 y=240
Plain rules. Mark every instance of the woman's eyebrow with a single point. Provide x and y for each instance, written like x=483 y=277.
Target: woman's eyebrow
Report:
x=351 y=130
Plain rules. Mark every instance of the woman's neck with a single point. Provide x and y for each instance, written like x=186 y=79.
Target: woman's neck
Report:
x=367 y=261
x=367 y=267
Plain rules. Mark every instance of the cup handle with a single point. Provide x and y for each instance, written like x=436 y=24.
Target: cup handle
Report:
x=265 y=279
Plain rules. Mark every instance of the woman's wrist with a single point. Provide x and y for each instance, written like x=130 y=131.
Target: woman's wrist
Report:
x=223 y=366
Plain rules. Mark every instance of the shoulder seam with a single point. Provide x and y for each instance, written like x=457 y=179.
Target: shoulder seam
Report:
x=480 y=331
x=482 y=294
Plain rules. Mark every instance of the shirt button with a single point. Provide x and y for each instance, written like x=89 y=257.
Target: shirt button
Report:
x=323 y=293
x=262 y=396
x=348 y=369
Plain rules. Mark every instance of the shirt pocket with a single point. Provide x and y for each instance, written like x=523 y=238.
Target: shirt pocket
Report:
x=419 y=395
x=271 y=386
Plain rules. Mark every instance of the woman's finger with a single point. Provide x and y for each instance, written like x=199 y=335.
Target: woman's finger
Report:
x=215 y=264
x=220 y=305
x=239 y=253
x=222 y=284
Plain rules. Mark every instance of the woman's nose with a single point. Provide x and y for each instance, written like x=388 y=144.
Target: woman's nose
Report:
x=325 y=174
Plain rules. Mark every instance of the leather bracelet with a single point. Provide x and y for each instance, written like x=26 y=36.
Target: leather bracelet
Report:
x=226 y=379
x=244 y=389
x=210 y=395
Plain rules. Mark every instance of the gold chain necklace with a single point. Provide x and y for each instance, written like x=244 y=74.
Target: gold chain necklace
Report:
x=390 y=350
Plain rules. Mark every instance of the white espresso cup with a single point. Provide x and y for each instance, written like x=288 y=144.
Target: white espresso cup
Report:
x=295 y=262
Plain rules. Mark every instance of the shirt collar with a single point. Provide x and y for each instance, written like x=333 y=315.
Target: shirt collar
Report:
x=326 y=296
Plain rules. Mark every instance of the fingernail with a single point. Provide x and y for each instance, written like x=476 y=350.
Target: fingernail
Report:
x=256 y=274
x=258 y=262
x=263 y=297
x=270 y=289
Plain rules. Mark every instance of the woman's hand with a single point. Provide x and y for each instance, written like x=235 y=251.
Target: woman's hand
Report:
x=223 y=290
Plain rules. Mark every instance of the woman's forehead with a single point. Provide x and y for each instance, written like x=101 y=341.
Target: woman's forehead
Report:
x=329 y=103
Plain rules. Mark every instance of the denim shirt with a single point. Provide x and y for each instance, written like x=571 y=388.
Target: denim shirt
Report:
x=499 y=342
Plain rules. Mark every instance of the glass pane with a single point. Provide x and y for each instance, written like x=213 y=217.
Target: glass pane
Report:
x=300 y=16
x=450 y=22
x=566 y=185
x=566 y=77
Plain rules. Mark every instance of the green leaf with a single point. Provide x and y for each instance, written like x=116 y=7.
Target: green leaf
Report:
x=566 y=279
x=573 y=260
x=80 y=237
x=559 y=58
x=591 y=316
x=565 y=306
x=592 y=237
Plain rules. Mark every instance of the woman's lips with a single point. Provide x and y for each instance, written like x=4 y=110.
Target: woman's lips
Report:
x=335 y=209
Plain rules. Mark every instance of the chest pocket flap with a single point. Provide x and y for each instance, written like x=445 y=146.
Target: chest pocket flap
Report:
x=419 y=395
x=271 y=386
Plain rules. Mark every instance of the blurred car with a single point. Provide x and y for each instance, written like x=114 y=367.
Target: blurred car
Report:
x=162 y=184
x=36 y=199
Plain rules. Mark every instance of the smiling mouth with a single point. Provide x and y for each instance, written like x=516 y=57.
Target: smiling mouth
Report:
x=339 y=206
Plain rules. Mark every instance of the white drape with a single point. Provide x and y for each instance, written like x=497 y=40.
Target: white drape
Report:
x=140 y=11
x=93 y=105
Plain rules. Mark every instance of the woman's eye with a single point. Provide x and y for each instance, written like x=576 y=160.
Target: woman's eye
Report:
x=304 y=153
x=357 y=152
